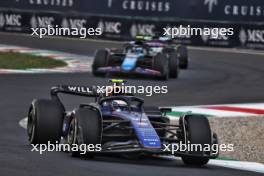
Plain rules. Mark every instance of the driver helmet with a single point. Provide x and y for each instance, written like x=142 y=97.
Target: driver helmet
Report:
x=117 y=104
x=138 y=50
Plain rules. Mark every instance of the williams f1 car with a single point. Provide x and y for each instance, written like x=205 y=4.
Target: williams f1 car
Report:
x=120 y=123
x=155 y=58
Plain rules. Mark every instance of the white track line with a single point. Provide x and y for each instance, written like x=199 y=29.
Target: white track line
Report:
x=240 y=165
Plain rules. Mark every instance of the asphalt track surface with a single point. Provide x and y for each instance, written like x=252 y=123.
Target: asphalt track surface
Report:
x=213 y=78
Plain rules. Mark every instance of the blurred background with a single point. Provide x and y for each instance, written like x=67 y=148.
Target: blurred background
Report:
x=123 y=19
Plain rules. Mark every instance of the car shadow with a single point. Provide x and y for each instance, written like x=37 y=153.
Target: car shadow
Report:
x=146 y=161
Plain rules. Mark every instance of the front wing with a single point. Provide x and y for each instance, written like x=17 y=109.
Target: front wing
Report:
x=136 y=71
x=135 y=147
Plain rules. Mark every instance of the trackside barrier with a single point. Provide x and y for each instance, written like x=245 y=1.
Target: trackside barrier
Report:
x=123 y=19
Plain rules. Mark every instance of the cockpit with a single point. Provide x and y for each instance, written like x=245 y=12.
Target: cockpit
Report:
x=119 y=104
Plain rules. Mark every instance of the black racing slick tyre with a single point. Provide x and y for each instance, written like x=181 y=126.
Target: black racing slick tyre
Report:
x=183 y=57
x=173 y=65
x=85 y=129
x=161 y=65
x=198 y=131
x=100 y=60
x=45 y=120
x=171 y=53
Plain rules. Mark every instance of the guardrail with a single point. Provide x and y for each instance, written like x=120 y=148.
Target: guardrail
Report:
x=123 y=19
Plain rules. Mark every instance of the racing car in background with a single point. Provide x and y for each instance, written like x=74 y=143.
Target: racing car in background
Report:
x=120 y=123
x=144 y=56
x=169 y=46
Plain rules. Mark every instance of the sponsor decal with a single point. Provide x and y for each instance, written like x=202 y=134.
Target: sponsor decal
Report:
x=49 y=3
x=135 y=5
x=215 y=38
x=41 y=21
x=254 y=37
x=73 y=23
x=244 y=10
x=243 y=36
x=12 y=20
x=210 y=4
x=113 y=27
x=2 y=20
x=79 y=89
x=142 y=29
x=235 y=9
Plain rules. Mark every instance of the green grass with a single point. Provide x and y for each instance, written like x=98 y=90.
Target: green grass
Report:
x=12 y=60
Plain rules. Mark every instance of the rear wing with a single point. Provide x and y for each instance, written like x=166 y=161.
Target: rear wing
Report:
x=144 y=38
x=149 y=38
x=74 y=90
x=93 y=91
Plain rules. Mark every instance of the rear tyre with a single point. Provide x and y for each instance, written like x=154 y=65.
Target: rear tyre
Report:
x=183 y=57
x=173 y=65
x=45 y=120
x=85 y=129
x=161 y=65
x=198 y=132
x=100 y=60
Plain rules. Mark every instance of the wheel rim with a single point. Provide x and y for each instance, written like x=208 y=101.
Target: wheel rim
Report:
x=31 y=125
x=71 y=137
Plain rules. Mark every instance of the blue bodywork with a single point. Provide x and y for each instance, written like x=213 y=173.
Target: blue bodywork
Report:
x=130 y=60
x=145 y=132
x=129 y=63
x=139 y=121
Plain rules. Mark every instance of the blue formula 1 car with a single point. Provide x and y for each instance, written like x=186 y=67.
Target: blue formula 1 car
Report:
x=142 y=57
x=120 y=124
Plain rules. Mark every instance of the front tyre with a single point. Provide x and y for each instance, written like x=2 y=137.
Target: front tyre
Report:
x=45 y=120
x=100 y=60
x=85 y=129
x=198 y=131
